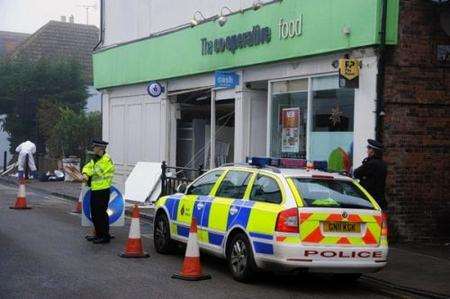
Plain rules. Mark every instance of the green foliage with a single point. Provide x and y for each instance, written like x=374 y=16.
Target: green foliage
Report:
x=25 y=85
x=73 y=132
x=48 y=114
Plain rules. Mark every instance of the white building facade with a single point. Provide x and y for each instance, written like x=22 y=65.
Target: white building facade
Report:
x=285 y=101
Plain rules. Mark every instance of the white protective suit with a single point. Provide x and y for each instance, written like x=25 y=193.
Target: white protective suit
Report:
x=24 y=149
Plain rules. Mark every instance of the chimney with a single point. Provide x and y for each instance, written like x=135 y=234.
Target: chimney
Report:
x=71 y=19
x=63 y=18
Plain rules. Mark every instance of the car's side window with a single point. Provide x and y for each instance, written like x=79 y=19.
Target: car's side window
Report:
x=234 y=184
x=266 y=189
x=204 y=185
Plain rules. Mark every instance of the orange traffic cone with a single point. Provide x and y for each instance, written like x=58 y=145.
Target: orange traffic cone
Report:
x=134 y=247
x=77 y=209
x=21 y=202
x=192 y=269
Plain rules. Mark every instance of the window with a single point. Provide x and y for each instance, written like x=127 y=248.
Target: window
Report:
x=289 y=118
x=203 y=185
x=333 y=110
x=266 y=189
x=331 y=138
x=313 y=119
x=234 y=184
x=332 y=193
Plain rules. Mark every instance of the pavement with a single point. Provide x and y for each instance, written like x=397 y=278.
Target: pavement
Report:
x=412 y=271
x=70 y=191
x=420 y=273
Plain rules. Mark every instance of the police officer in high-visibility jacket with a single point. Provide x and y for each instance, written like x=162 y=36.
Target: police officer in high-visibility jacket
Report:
x=98 y=174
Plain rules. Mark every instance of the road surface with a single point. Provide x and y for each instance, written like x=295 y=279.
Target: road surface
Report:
x=43 y=254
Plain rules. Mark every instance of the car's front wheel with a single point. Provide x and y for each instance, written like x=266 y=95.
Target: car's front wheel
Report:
x=240 y=258
x=161 y=234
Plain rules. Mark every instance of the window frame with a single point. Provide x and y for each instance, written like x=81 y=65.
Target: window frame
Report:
x=309 y=124
x=247 y=190
x=277 y=181
x=213 y=188
x=355 y=184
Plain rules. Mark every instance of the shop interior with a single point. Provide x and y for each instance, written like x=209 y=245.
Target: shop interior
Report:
x=193 y=134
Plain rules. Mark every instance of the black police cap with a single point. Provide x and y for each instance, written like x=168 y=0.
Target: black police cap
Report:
x=99 y=143
x=375 y=144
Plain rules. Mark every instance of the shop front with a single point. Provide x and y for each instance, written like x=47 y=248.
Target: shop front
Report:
x=288 y=100
x=313 y=119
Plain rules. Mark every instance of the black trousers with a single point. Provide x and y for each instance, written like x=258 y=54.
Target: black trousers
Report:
x=99 y=206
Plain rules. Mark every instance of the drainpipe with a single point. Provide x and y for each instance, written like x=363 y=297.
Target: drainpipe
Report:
x=102 y=24
x=381 y=74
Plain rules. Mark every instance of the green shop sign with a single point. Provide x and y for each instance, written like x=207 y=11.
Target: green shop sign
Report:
x=257 y=36
x=279 y=31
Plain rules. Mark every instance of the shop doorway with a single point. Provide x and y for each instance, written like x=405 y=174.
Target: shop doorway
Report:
x=224 y=133
x=193 y=130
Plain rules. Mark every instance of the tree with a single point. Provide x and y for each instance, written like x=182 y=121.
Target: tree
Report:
x=73 y=133
x=24 y=85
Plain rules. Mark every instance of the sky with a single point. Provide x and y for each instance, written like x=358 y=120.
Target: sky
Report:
x=27 y=16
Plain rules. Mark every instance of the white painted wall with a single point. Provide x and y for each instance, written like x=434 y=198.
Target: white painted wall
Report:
x=250 y=124
x=365 y=107
x=258 y=123
x=133 y=19
x=132 y=123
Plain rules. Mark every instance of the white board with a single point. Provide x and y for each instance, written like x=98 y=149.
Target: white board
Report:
x=156 y=193
x=143 y=179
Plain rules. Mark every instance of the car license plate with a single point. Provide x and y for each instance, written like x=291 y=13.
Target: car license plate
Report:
x=341 y=227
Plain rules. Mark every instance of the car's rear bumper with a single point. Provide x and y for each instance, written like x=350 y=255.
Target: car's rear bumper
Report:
x=329 y=259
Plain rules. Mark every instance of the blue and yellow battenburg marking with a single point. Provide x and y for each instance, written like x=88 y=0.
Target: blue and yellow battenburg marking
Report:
x=216 y=218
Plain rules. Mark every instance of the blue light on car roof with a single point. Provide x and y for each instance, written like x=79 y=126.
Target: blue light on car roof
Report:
x=263 y=161
x=287 y=163
x=321 y=165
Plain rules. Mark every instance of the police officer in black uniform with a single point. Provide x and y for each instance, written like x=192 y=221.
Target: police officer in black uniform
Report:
x=372 y=173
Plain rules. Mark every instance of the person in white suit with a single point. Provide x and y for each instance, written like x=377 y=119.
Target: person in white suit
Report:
x=25 y=149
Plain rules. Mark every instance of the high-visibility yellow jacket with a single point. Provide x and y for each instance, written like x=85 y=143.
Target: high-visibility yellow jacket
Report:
x=101 y=172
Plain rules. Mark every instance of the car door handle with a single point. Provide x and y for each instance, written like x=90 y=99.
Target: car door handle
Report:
x=233 y=210
x=200 y=206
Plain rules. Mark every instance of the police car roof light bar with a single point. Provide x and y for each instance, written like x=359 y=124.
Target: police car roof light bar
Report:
x=263 y=161
x=275 y=163
x=321 y=165
x=293 y=163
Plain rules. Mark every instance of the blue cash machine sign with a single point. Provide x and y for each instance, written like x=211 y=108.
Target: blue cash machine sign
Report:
x=226 y=79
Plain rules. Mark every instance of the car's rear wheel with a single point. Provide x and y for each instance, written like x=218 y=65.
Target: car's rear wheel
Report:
x=161 y=235
x=240 y=258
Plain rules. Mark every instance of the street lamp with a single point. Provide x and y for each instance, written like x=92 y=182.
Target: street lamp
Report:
x=222 y=20
x=257 y=4
x=195 y=20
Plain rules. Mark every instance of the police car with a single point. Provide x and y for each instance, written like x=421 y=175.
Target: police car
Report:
x=262 y=217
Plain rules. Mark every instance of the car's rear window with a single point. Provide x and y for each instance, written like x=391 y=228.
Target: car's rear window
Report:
x=331 y=193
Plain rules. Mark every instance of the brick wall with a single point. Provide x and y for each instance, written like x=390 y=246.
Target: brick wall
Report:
x=417 y=127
